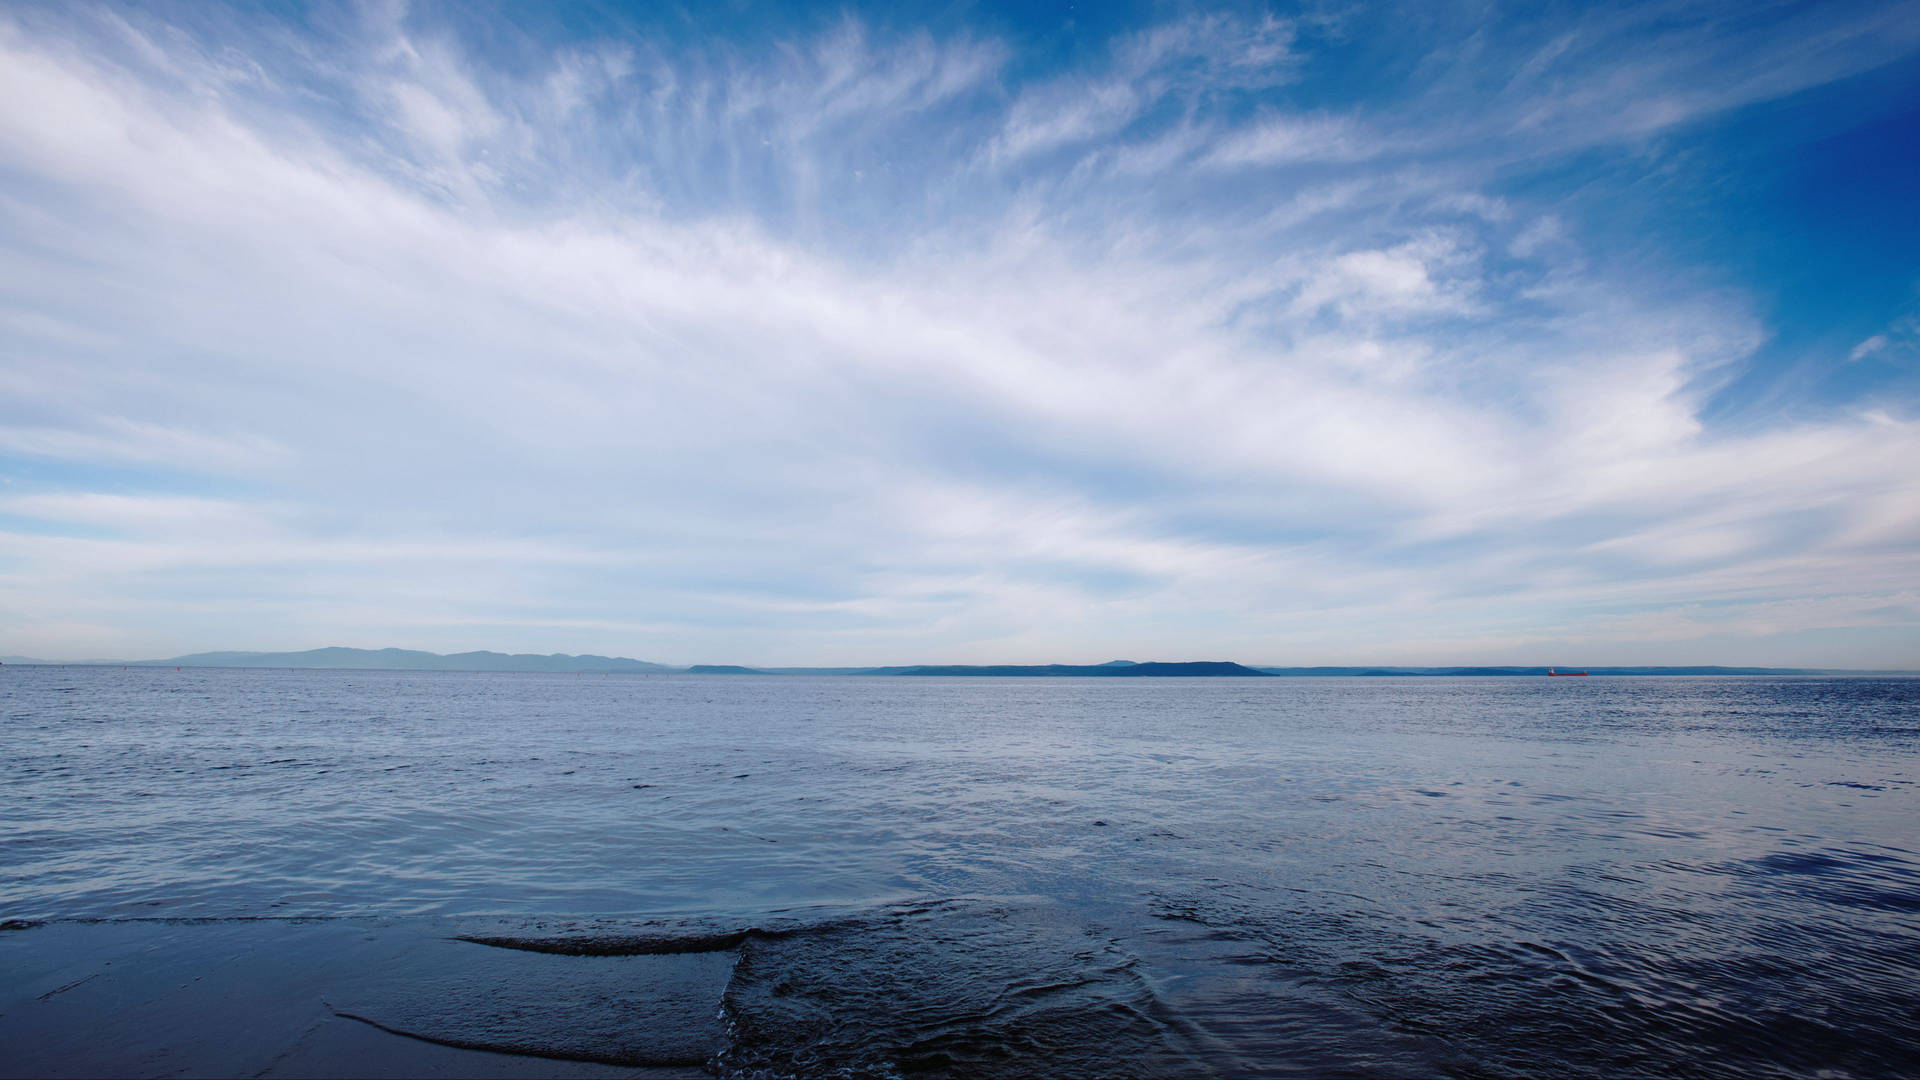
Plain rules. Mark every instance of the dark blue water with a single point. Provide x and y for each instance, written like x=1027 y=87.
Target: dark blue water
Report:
x=975 y=877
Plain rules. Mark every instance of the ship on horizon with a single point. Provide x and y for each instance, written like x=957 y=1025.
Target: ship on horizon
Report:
x=1563 y=674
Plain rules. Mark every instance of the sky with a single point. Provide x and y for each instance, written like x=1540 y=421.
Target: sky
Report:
x=964 y=332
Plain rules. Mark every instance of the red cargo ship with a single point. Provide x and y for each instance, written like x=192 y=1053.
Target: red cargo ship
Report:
x=1550 y=671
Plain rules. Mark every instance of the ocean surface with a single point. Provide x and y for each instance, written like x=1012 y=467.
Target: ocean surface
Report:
x=1495 y=877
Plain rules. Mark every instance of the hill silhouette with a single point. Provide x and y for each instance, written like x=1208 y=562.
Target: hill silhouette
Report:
x=1114 y=669
x=412 y=660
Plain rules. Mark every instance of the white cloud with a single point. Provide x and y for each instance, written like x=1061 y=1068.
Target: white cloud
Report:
x=1900 y=339
x=665 y=405
x=1540 y=234
x=1286 y=140
x=1868 y=347
x=1653 y=78
x=1422 y=276
x=118 y=440
x=1196 y=55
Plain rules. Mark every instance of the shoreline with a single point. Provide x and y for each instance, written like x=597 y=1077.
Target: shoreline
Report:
x=344 y=997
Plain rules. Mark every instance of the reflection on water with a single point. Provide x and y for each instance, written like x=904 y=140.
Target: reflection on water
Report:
x=1481 y=877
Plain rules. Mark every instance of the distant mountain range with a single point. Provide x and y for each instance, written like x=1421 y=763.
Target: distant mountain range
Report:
x=393 y=660
x=414 y=660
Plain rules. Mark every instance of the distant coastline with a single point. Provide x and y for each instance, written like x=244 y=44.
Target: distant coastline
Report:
x=347 y=659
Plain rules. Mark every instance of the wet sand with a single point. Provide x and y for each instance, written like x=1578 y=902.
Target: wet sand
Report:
x=344 y=998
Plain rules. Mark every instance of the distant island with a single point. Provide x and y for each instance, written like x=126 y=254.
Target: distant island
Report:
x=1115 y=669
x=338 y=658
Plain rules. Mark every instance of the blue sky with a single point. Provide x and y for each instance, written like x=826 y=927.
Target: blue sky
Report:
x=1322 y=333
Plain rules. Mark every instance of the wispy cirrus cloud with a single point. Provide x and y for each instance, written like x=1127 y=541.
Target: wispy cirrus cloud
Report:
x=1280 y=140
x=1178 y=65
x=865 y=345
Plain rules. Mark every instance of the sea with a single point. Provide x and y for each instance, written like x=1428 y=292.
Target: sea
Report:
x=1280 y=877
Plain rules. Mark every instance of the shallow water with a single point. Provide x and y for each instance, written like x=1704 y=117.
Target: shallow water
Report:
x=978 y=877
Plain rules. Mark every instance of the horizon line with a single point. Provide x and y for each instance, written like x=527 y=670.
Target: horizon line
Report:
x=185 y=659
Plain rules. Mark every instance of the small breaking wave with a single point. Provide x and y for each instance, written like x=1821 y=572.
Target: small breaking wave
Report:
x=616 y=944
